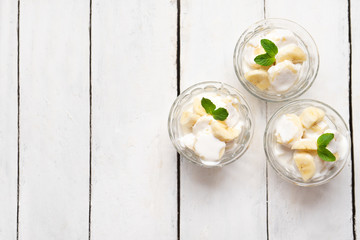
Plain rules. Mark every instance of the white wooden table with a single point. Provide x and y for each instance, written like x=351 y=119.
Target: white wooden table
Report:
x=85 y=91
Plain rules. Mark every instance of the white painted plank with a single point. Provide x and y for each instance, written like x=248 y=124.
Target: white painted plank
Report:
x=8 y=119
x=227 y=203
x=54 y=120
x=355 y=33
x=323 y=212
x=134 y=189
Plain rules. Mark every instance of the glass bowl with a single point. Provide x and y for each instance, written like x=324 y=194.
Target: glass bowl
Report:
x=308 y=70
x=240 y=144
x=290 y=173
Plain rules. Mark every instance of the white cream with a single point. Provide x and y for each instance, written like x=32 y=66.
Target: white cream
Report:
x=282 y=37
x=284 y=156
x=188 y=140
x=283 y=75
x=287 y=130
x=201 y=138
x=233 y=119
x=203 y=125
x=208 y=147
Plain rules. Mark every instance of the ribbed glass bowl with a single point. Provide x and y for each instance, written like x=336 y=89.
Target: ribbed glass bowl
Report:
x=308 y=71
x=333 y=118
x=241 y=143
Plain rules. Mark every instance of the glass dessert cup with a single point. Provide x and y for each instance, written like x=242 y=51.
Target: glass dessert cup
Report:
x=238 y=146
x=334 y=120
x=307 y=73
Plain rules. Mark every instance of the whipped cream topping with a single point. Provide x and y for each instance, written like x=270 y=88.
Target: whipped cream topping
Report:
x=207 y=137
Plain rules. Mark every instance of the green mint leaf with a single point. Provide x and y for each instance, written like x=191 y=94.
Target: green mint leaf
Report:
x=220 y=114
x=322 y=151
x=264 y=59
x=208 y=105
x=269 y=47
x=325 y=154
x=324 y=139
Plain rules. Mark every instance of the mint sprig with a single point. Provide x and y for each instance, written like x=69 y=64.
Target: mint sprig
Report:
x=267 y=58
x=210 y=108
x=322 y=151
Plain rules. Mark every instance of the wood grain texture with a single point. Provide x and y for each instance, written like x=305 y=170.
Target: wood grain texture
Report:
x=323 y=212
x=8 y=119
x=134 y=181
x=226 y=203
x=54 y=120
x=134 y=189
x=355 y=33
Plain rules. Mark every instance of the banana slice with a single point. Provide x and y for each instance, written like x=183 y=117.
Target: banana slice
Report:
x=259 y=78
x=304 y=144
x=292 y=53
x=319 y=127
x=316 y=130
x=198 y=108
x=305 y=163
x=310 y=116
x=259 y=50
x=222 y=132
x=188 y=119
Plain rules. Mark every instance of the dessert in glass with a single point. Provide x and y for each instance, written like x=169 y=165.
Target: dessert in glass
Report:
x=276 y=60
x=210 y=124
x=307 y=142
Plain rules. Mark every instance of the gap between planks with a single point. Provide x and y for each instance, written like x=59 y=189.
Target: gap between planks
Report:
x=351 y=123
x=178 y=75
x=266 y=164
x=90 y=116
x=18 y=121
